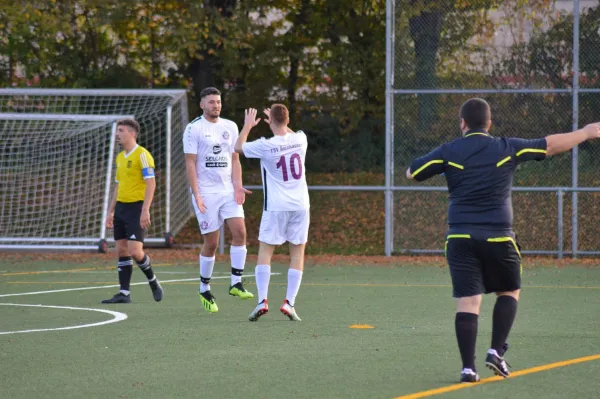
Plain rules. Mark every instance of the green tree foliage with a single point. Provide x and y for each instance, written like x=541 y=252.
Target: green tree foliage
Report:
x=324 y=58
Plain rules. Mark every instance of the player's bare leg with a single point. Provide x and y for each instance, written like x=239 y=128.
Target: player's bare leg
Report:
x=238 y=252
x=136 y=249
x=263 y=276
x=125 y=269
x=504 y=315
x=466 y=323
x=207 y=264
x=294 y=280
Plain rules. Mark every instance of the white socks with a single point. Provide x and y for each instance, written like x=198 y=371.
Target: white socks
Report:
x=294 y=280
x=262 y=276
x=238 y=260
x=206 y=270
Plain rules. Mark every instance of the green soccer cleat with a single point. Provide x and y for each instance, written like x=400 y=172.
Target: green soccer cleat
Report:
x=208 y=301
x=239 y=291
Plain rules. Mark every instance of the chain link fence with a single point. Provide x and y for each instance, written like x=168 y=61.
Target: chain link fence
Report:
x=534 y=63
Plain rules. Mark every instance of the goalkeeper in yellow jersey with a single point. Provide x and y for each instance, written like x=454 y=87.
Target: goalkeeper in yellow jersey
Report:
x=129 y=210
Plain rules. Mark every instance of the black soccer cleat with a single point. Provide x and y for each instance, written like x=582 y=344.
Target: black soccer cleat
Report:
x=497 y=364
x=157 y=291
x=118 y=298
x=469 y=376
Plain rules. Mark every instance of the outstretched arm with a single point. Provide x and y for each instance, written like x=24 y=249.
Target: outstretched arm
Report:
x=559 y=143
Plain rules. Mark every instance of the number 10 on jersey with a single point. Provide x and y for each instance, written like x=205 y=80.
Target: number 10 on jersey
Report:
x=296 y=170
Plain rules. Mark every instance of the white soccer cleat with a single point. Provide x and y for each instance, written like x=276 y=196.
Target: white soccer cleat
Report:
x=261 y=309
x=289 y=311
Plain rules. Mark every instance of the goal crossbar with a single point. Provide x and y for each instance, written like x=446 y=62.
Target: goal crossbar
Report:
x=18 y=116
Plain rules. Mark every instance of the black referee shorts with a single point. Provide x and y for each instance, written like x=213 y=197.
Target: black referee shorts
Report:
x=127 y=221
x=483 y=265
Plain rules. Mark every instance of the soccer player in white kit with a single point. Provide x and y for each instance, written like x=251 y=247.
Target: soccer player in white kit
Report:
x=215 y=176
x=286 y=214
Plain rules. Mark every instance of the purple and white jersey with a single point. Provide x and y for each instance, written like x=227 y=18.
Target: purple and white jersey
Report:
x=213 y=145
x=282 y=167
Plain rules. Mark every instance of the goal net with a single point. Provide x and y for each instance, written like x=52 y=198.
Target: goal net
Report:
x=57 y=152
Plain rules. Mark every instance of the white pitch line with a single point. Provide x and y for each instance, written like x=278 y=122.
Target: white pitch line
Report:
x=155 y=272
x=113 y=286
x=117 y=316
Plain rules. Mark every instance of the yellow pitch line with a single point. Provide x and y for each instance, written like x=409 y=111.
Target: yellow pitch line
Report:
x=537 y=369
x=84 y=269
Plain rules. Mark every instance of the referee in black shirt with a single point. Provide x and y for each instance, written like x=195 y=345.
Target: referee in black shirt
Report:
x=481 y=248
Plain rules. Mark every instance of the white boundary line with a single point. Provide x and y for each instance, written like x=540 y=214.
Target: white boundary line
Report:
x=117 y=316
x=114 y=286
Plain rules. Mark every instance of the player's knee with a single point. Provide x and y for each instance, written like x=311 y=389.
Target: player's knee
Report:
x=238 y=236
x=515 y=294
x=137 y=254
x=123 y=252
x=209 y=248
x=469 y=304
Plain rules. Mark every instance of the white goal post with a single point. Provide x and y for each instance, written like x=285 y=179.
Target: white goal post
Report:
x=57 y=151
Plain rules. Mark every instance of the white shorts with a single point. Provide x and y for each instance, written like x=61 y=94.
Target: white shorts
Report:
x=219 y=207
x=279 y=227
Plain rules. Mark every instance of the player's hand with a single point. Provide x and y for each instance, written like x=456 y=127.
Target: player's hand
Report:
x=200 y=203
x=240 y=195
x=250 y=118
x=145 y=219
x=592 y=130
x=109 y=220
x=268 y=113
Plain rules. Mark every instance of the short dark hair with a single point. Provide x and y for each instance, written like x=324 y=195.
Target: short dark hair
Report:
x=280 y=114
x=476 y=113
x=132 y=123
x=209 y=91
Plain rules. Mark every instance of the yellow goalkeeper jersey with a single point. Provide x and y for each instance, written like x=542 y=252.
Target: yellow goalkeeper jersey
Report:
x=132 y=171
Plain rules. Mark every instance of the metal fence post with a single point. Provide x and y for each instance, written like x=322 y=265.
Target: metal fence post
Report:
x=389 y=128
x=575 y=152
x=560 y=194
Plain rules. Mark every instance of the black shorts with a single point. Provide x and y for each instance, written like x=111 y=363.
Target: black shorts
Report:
x=483 y=265
x=127 y=221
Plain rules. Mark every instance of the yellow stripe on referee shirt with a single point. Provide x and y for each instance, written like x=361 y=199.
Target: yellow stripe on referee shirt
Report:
x=456 y=165
x=524 y=150
x=426 y=166
x=505 y=160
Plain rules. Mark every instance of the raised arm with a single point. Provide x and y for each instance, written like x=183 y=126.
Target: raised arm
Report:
x=249 y=122
x=559 y=143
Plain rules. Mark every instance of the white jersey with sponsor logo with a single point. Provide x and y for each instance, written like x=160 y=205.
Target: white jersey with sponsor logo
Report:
x=282 y=167
x=213 y=145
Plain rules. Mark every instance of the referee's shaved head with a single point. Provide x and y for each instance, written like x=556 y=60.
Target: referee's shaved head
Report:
x=476 y=113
